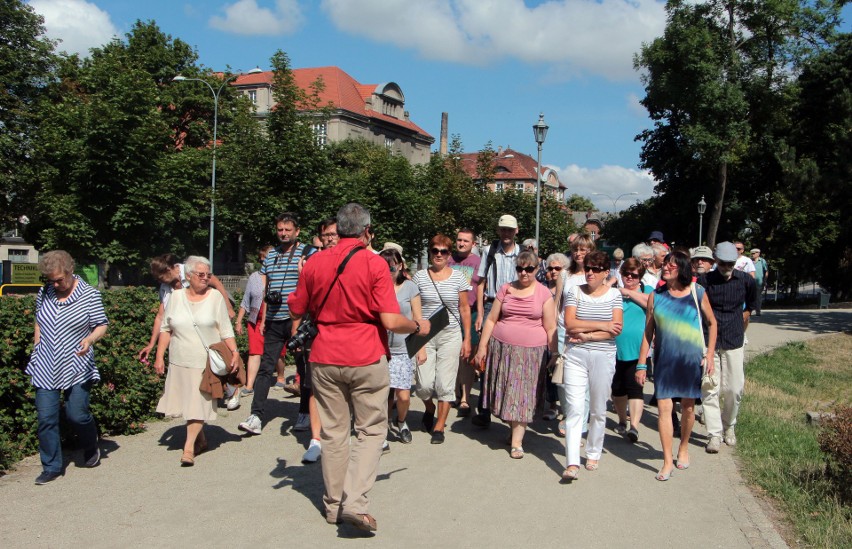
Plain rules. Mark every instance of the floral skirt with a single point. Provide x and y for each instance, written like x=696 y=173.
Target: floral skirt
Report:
x=514 y=380
x=183 y=398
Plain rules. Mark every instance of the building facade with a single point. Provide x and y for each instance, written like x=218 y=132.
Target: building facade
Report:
x=516 y=171
x=375 y=112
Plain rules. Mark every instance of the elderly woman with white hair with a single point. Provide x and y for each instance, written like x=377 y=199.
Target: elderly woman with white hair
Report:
x=69 y=319
x=195 y=318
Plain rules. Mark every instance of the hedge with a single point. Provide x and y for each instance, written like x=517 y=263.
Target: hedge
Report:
x=128 y=392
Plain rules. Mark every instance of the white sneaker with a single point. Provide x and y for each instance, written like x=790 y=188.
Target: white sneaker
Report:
x=303 y=423
x=313 y=452
x=385 y=447
x=233 y=402
x=251 y=425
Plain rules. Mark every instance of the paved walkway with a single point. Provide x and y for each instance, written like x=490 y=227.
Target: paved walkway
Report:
x=465 y=493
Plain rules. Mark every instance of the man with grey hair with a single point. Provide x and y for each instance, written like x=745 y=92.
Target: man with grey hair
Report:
x=352 y=302
x=702 y=260
x=728 y=291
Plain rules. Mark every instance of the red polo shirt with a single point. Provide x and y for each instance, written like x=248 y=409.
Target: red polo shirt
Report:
x=350 y=329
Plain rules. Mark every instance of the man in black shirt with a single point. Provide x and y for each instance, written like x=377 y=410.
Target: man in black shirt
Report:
x=732 y=296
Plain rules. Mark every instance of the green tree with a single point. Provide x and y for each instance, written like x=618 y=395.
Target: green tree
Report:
x=27 y=66
x=579 y=203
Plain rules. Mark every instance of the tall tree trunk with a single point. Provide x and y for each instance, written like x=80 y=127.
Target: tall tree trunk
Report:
x=717 y=203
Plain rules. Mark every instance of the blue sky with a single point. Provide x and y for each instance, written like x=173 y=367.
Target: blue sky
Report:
x=493 y=65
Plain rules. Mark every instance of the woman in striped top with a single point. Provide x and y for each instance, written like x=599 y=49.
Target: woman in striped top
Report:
x=593 y=317
x=69 y=320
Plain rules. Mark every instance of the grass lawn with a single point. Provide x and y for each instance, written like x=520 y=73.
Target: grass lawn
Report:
x=778 y=449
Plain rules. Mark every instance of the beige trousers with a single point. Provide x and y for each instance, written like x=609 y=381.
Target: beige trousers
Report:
x=349 y=470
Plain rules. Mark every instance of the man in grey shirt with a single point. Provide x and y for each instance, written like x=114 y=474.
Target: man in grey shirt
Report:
x=495 y=269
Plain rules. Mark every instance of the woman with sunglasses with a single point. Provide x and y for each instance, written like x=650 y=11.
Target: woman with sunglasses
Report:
x=557 y=268
x=674 y=323
x=593 y=317
x=442 y=286
x=402 y=366
x=626 y=393
x=522 y=322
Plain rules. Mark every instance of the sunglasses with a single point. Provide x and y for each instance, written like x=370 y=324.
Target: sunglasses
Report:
x=529 y=269
x=440 y=251
x=588 y=268
x=557 y=268
x=203 y=275
x=629 y=275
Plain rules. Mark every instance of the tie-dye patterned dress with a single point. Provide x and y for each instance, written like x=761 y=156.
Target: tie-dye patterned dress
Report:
x=679 y=345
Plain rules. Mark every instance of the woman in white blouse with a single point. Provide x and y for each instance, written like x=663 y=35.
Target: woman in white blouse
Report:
x=192 y=314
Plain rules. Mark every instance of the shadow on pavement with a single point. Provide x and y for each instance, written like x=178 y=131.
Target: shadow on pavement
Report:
x=806 y=321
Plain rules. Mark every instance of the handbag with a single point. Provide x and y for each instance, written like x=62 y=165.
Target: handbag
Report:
x=706 y=379
x=558 y=370
x=215 y=359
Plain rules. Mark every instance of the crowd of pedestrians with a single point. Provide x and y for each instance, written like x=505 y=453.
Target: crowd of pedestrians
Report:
x=543 y=337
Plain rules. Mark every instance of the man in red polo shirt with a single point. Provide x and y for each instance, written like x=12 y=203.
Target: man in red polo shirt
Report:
x=349 y=361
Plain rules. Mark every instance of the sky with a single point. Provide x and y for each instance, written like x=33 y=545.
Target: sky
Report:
x=492 y=65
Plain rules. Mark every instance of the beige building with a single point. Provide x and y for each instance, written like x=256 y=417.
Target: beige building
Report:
x=517 y=171
x=375 y=112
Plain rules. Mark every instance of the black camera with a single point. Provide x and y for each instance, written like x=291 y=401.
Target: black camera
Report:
x=274 y=298
x=304 y=335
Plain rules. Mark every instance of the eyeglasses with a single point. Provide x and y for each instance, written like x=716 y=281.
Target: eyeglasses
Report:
x=646 y=259
x=527 y=269
x=727 y=263
x=740 y=249
x=55 y=280
x=554 y=268
x=328 y=235
x=597 y=270
x=203 y=275
x=629 y=275
x=440 y=251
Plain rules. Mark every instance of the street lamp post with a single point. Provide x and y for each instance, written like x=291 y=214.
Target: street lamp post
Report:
x=702 y=207
x=614 y=202
x=540 y=132
x=216 y=94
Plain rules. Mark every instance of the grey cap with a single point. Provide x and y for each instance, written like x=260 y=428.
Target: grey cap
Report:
x=702 y=252
x=727 y=252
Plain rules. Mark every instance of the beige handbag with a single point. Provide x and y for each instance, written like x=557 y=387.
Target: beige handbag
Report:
x=556 y=376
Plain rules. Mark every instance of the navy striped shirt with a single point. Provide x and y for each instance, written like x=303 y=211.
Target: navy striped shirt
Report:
x=282 y=274
x=62 y=326
x=727 y=298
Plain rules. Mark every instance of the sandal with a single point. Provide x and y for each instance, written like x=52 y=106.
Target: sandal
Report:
x=591 y=466
x=517 y=452
x=463 y=410
x=664 y=477
x=361 y=521
x=187 y=459
x=549 y=414
x=562 y=428
x=570 y=475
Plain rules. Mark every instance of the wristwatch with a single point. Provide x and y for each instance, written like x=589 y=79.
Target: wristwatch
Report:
x=417 y=328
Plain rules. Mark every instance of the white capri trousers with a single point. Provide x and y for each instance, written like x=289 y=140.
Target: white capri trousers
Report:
x=436 y=378
x=593 y=370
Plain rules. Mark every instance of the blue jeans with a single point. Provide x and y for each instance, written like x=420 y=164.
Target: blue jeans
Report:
x=48 y=404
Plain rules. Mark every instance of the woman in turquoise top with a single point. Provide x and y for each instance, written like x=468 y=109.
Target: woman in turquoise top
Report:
x=674 y=324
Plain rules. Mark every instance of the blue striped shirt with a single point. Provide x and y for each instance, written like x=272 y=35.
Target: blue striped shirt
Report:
x=62 y=326
x=501 y=272
x=282 y=274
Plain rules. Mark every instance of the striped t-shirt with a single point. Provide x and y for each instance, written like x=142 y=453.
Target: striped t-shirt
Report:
x=282 y=274
x=62 y=325
x=597 y=309
x=449 y=289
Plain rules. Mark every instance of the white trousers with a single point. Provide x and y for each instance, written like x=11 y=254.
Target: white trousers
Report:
x=592 y=370
x=722 y=402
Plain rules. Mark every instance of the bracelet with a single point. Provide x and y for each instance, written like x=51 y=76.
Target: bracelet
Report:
x=641 y=367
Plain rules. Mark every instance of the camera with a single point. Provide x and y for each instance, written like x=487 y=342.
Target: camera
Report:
x=274 y=298
x=304 y=335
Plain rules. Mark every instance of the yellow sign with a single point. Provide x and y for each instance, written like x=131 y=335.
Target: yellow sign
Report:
x=25 y=273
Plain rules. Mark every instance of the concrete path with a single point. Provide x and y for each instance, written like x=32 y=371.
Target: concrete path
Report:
x=466 y=493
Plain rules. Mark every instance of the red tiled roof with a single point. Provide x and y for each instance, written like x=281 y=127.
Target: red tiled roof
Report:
x=515 y=166
x=341 y=91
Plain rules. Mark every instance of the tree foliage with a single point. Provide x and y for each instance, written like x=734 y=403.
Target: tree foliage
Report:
x=580 y=203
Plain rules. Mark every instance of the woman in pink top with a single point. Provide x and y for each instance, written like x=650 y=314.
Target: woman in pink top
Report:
x=523 y=325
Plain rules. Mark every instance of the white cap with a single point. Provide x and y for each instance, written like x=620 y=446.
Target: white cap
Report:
x=507 y=221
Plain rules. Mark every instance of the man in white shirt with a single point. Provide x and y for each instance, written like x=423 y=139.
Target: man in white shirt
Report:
x=744 y=263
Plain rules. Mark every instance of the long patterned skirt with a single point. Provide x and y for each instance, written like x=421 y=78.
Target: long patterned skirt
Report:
x=514 y=380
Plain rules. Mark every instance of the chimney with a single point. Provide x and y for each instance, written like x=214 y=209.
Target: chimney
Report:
x=444 y=124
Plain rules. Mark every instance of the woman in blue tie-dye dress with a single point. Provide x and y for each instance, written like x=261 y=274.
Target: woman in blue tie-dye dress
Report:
x=674 y=324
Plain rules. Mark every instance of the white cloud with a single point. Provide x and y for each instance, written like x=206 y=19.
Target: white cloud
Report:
x=634 y=106
x=80 y=25
x=610 y=180
x=246 y=17
x=573 y=36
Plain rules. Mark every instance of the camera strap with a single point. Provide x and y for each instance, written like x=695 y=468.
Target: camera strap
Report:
x=286 y=272
x=339 y=271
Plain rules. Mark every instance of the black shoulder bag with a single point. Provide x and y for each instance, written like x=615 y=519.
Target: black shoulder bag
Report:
x=308 y=329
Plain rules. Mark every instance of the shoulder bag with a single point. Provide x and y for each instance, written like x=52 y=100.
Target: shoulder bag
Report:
x=439 y=320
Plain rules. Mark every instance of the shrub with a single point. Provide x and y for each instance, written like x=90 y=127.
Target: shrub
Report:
x=835 y=441
x=128 y=392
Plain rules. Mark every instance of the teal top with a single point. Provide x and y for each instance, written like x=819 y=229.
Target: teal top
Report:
x=630 y=339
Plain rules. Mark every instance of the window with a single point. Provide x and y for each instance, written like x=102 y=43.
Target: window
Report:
x=498 y=187
x=519 y=186
x=320 y=134
x=19 y=256
x=388 y=143
x=252 y=94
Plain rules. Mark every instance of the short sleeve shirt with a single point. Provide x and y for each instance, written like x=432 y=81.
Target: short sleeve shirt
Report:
x=282 y=274
x=350 y=328
x=469 y=267
x=598 y=309
x=520 y=322
x=165 y=290
x=501 y=272
x=407 y=291
x=449 y=292
x=630 y=339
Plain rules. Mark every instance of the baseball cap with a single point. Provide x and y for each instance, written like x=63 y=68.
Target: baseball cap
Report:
x=507 y=221
x=755 y=251
x=702 y=252
x=727 y=252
